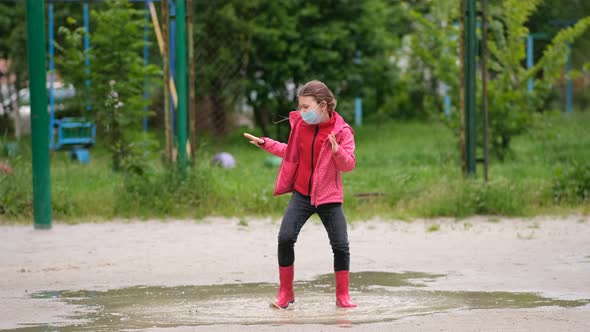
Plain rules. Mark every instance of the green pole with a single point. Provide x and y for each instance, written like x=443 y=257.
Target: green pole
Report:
x=484 y=85
x=470 y=93
x=39 y=116
x=181 y=78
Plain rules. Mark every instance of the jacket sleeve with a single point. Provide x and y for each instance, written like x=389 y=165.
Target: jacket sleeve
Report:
x=344 y=157
x=275 y=147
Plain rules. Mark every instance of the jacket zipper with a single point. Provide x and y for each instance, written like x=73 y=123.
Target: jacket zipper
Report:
x=317 y=128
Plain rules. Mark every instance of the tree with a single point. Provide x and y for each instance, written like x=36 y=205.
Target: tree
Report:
x=428 y=60
x=117 y=74
x=263 y=49
x=346 y=44
x=221 y=35
x=511 y=105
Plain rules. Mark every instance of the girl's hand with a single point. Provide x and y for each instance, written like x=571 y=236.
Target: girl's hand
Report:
x=333 y=142
x=254 y=140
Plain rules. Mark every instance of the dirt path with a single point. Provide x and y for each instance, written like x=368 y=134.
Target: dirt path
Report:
x=549 y=257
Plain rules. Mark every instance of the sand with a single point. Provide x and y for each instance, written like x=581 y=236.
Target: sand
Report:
x=549 y=256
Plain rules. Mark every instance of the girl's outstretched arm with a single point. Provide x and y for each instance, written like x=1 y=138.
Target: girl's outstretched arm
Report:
x=275 y=147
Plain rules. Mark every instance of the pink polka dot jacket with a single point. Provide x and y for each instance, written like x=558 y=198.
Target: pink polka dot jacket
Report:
x=326 y=179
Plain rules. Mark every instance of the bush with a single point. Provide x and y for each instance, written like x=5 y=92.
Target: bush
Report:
x=16 y=192
x=472 y=197
x=572 y=184
x=161 y=194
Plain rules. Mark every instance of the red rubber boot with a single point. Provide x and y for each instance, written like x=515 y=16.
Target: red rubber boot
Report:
x=285 y=295
x=342 y=296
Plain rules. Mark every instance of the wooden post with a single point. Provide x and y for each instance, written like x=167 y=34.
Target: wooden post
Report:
x=162 y=37
x=160 y=40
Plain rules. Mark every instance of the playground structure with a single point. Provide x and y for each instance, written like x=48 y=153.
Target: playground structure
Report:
x=469 y=44
x=79 y=134
x=48 y=133
x=76 y=134
x=530 y=42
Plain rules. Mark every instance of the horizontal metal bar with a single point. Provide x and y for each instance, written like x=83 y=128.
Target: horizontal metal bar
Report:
x=75 y=125
x=76 y=141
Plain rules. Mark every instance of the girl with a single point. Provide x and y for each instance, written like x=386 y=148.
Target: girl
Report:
x=320 y=146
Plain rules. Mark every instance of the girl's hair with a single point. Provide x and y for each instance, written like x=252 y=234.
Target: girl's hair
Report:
x=320 y=92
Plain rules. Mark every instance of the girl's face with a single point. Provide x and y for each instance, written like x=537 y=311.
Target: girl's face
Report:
x=308 y=103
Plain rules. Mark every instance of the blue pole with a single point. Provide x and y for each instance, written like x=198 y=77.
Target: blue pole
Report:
x=529 y=59
x=145 y=61
x=51 y=79
x=358 y=111
x=447 y=103
x=172 y=57
x=87 y=55
x=446 y=99
x=568 y=82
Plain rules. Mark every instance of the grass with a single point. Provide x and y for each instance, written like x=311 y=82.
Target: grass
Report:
x=404 y=170
x=433 y=228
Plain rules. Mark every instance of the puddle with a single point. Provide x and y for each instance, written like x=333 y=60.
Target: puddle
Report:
x=381 y=297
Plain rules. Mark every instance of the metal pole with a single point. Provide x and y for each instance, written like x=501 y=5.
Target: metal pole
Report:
x=470 y=93
x=39 y=119
x=87 y=55
x=462 y=87
x=51 y=78
x=484 y=94
x=446 y=99
x=181 y=77
x=358 y=111
x=568 y=82
x=529 y=58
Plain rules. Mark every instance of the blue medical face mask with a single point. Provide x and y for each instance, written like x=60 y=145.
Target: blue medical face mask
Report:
x=311 y=117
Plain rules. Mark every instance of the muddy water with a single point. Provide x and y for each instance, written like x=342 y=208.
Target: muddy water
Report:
x=381 y=297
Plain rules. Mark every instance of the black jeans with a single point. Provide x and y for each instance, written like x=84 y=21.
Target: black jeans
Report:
x=332 y=216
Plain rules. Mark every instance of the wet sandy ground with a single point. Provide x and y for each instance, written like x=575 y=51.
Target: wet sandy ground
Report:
x=478 y=274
